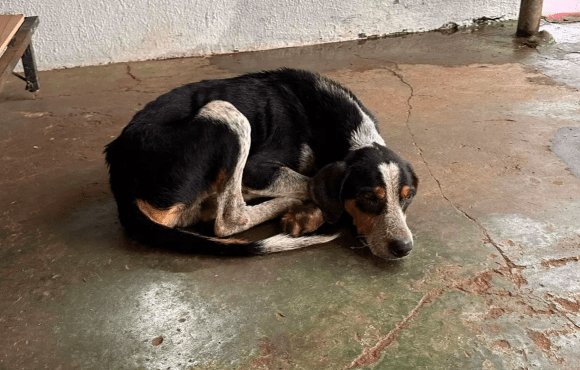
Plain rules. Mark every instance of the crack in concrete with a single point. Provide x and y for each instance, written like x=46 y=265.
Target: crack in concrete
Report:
x=480 y=285
x=131 y=74
x=484 y=231
x=372 y=355
x=547 y=264
x=118 y=90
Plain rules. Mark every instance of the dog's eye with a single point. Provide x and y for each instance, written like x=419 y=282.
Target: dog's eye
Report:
x=370 y=203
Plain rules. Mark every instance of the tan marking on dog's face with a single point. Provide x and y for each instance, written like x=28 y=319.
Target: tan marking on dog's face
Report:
x=381 y=192
x=363 y=221
x=406 y=192
x=166 y=217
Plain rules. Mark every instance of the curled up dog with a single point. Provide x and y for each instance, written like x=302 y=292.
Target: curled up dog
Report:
x=301 y=140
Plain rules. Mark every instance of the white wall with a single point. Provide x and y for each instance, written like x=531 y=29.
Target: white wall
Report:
x=89 y=32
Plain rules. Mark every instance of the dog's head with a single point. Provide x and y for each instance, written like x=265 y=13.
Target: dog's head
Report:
x=375 y=186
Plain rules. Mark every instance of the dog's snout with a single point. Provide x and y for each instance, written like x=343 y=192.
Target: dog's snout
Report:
x=400 y=247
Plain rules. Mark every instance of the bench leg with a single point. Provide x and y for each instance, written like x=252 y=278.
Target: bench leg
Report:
x=30 y=71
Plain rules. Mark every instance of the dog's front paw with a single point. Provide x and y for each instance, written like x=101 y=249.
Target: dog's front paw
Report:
x=302 y=220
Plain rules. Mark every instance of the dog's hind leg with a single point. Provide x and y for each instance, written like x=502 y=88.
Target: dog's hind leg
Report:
x=264 y=178
x=287 y=183
x=232 y=213
x=284 y=183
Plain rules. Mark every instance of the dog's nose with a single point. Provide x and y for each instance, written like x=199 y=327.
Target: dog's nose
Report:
x=400 y=247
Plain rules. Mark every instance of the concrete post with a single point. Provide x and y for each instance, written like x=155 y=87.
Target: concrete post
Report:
x=529 y=19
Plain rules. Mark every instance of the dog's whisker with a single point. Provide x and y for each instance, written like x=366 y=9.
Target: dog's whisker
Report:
x=361 y=238
x=364 y=246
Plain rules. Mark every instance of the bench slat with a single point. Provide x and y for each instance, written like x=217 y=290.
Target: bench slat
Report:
x=9 y=24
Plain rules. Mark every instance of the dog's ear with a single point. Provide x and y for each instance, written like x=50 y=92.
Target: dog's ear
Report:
x=326 y=188
x=414 y=177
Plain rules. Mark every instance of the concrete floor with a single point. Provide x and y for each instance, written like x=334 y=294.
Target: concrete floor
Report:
x=493 y=281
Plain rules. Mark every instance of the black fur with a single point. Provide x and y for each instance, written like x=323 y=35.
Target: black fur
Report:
x=167 y=155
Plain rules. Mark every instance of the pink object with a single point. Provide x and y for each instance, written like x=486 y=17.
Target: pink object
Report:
x=564 y=17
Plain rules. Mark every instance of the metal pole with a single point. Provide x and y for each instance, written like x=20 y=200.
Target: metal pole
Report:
x=529 y=20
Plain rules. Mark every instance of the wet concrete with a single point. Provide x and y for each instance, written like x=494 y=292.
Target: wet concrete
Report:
x=561 y=59
x=566 y=145
x=492 y=283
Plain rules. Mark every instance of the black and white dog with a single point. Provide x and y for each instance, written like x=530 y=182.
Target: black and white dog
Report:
x=199 y=152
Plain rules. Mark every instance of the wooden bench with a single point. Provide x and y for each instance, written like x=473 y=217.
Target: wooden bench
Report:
x=16 y=43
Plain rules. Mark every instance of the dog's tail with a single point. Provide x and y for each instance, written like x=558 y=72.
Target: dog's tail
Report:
x=140 y=228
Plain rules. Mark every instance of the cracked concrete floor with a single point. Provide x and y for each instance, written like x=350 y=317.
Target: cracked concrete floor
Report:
x=492 y=283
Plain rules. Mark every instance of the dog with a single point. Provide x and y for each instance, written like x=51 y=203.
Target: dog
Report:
x=298 y=139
